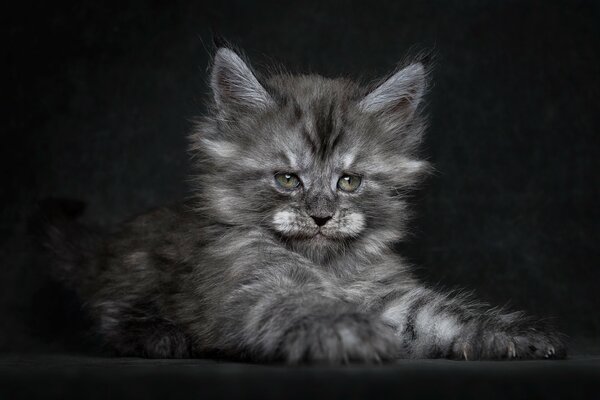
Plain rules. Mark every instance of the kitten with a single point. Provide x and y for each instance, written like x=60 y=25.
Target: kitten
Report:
x=285 y=251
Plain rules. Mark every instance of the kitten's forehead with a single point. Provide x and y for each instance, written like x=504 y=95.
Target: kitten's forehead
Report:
x=306 y=89
x=317 y=110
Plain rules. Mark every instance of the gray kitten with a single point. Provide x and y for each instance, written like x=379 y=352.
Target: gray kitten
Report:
x=285 y=251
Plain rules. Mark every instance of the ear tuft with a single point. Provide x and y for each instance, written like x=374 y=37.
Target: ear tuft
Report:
x=402 y=92
x=234 y=85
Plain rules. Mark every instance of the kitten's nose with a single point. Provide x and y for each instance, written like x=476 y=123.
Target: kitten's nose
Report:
x=320 y=221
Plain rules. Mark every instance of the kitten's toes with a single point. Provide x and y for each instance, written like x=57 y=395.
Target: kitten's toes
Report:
x=532 y=344
x=540 y=346
x=502 y=345
x=512 y=351
x=344 y=338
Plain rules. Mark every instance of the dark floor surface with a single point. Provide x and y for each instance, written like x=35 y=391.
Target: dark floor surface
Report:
x=63 y=376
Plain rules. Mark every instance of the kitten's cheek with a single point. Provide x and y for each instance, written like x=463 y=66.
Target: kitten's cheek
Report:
x=353 y=224
x=283 y=221
x=344 y=226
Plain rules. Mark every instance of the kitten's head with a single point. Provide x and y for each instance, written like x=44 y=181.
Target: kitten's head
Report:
x=321 y=164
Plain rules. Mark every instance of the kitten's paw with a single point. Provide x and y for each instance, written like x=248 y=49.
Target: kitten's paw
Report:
x=339 y=339
x=539 y=345
x=503 y=345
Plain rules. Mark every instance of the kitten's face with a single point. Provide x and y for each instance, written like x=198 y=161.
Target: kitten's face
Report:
x=320 y=163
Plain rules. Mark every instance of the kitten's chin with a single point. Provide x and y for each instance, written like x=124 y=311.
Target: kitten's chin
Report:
x=306 y=238
x=319 y=239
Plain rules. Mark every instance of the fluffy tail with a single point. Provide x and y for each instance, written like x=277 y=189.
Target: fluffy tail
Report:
x=70 y=244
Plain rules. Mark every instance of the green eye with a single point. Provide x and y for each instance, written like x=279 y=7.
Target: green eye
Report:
x=349 y=183
x=287 y=180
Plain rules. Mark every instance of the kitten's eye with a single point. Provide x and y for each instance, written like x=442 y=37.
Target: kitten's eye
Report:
x=349 y=183
x=287 y=180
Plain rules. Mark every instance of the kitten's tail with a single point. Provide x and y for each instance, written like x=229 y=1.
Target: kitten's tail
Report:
x=70 y=244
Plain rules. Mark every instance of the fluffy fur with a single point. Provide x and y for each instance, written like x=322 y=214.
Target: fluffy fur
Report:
x=250 y=269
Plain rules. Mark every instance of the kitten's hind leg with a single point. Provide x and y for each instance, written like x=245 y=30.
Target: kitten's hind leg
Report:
x=151 y=340
x=166 y=342
x=133 y=332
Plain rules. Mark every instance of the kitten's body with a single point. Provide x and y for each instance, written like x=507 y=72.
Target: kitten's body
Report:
x=250 y=268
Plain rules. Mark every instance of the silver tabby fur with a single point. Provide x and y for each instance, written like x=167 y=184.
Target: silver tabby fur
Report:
x=242 y=270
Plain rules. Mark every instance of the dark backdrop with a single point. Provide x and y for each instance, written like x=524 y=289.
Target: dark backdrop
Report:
x=99 y=98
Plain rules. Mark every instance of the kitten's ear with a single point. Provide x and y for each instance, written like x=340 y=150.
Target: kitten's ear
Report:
x=399 y=94
x=234 y=85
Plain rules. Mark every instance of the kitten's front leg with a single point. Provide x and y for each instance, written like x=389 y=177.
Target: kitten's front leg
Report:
x=321 y=331
x=291 y=314
x=431 y=325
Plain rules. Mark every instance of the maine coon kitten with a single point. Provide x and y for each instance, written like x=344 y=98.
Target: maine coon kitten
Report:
x=285 y=251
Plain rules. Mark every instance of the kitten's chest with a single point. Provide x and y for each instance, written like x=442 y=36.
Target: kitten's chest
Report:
x=353 y=288
x=368 y=283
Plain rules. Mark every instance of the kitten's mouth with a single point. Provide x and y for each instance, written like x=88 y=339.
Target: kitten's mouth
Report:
x=318 y=235
x=321 y=236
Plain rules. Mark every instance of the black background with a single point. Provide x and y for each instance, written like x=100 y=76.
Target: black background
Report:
x=98 y=102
